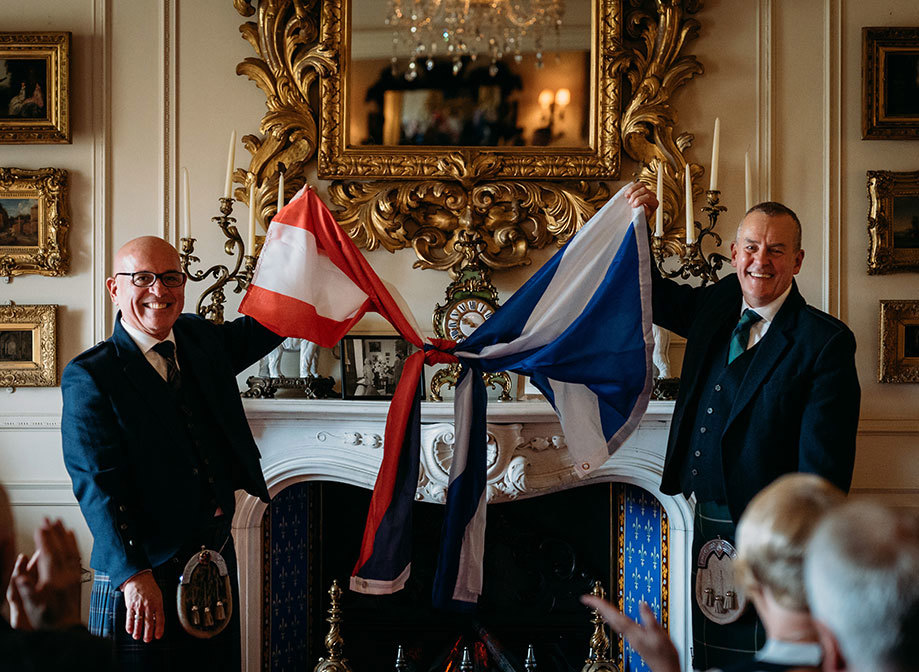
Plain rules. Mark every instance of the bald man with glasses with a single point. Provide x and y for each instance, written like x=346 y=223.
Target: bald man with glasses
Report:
x=156 y=443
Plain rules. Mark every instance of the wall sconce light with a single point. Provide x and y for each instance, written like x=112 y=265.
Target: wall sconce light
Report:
x=553 y=104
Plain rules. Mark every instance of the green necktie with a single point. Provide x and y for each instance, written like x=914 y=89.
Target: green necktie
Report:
x=741 y=334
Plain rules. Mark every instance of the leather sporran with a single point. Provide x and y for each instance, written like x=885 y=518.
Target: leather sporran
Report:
x=718 y=593
x=205 y=595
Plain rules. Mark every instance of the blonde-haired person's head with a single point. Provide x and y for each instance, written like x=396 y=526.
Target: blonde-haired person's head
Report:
x=773 y=532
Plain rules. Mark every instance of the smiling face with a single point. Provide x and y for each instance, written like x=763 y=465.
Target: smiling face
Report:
x=767 y=256
x=153 y=310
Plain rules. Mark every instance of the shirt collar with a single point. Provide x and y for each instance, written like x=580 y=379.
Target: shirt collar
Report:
x=790 y=653
x=144 y=341
x=769 y=311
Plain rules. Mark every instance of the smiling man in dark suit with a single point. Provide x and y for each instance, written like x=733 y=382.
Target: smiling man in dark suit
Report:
x=156 y=442
x=768 y=386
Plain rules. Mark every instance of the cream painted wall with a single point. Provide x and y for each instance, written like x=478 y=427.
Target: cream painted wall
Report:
x=123 y=185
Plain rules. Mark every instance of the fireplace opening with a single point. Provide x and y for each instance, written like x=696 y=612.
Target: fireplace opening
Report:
x=541 y=555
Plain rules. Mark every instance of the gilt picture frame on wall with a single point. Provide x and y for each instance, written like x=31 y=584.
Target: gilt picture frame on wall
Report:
x=372 y=365
x=28 y=345
x=890 y=83
x=893 y=221
x=35 y=88
x=34 y=220
x=899 y=341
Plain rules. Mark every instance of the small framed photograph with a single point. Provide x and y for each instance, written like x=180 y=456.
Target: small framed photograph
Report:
x=372 y=365
x=34 y=88
x=899 y=342
x=893 y=221
x=34 y=220
x=890 y=83
x=526 y=390
x=28 y=346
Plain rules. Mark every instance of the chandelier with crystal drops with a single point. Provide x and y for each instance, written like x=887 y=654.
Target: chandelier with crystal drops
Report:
x=458 y=29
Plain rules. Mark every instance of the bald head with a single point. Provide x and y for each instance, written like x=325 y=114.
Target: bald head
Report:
x=137 y=251
x=154 y=309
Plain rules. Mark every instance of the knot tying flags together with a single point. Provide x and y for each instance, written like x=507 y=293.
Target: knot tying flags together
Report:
x=440 y=351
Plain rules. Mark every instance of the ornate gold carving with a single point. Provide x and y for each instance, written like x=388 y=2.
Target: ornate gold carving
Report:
x=38 y=366
x=286 y=38
x=444 y=221
x=49 y=256
x=655 y=69
x=505 y=197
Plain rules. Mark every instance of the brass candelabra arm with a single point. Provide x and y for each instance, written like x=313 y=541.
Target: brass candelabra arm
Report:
x=693 y=261
x=211 y=301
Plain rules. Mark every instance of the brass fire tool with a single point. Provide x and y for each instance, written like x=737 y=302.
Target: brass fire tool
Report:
x=333 y=641
x=598 y=658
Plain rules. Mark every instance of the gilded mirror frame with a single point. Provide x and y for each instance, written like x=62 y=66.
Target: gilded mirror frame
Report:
x=338 y=159
x=468 y=206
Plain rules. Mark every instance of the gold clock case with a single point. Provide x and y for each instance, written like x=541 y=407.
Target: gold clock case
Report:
x=473 y=282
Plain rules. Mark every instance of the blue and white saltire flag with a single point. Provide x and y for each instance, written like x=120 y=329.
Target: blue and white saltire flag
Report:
x=581 y=329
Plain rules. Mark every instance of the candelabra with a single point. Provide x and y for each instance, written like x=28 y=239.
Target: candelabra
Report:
x=693 y=262
x=243 y=266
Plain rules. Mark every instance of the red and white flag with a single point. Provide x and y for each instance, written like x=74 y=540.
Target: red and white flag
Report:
x=312 y=282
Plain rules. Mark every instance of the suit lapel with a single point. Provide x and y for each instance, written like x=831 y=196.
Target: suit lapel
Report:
x=769 y=351
x=149 y=384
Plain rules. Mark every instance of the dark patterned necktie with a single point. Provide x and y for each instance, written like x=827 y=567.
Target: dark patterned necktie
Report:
x=167 y=350
x=741 y=334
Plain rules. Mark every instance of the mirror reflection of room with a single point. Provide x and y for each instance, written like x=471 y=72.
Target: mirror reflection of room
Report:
x=470 y=73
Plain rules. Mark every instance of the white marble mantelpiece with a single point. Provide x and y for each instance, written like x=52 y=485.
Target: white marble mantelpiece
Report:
x=342 y=441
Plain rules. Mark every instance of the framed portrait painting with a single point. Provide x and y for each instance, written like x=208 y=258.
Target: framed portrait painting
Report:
x=893 y=221
x=890 y=83
x=28 y=346
x=899 y=342
x=34 y=220
x=372 y=365
x=34 y=88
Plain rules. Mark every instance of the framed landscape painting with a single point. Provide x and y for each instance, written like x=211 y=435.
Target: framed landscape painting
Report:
x=893 y=221
x=34 y=220
x=28 y=346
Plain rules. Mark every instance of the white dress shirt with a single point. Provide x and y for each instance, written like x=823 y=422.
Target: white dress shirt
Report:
x=768 y=312
x=146 y=342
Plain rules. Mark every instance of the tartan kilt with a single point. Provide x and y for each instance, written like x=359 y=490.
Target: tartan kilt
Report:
x=101 y=606
x=177 y=650
x=717 y=645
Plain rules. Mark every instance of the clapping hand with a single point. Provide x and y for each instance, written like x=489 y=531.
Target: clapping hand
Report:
x=44 y=590
x=649 y=640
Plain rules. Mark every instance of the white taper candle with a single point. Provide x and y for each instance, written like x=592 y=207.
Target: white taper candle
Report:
x=251 y=249
x=659 y=221
x=747 y=182
x=716 y=144
x=280 y=190
x=690 y=222
x=231 y=160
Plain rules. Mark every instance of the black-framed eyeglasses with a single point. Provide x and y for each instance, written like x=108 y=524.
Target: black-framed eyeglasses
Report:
x=148 y=278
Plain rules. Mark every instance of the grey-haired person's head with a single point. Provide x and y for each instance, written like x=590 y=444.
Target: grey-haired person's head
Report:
x=862 y=578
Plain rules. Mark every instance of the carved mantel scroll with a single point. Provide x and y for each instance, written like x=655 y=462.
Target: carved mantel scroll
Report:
x=511 y=199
